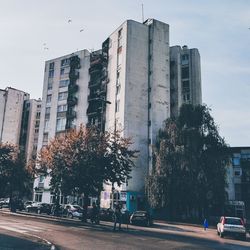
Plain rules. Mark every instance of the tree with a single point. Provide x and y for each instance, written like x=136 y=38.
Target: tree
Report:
x=190 y=156
x=81 y=161
x=14 y=176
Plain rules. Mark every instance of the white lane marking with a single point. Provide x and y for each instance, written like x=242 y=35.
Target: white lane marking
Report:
x=13 y=229
x=21 y=227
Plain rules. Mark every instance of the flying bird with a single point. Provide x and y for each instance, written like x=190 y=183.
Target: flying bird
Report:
x=81 y=30
x=69 y=21
x=46 y=48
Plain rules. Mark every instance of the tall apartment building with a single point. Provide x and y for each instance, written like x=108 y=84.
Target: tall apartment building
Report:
x=30 y=128
x=19 y=120
x=64 y=104
x=124 y=85
x=11 y=110
x=185 y=78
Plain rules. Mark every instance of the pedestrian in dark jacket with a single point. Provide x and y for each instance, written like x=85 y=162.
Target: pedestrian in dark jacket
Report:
x=117 y=217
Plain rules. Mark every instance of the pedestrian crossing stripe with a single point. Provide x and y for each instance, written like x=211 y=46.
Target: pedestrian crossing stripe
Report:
x=20 y=228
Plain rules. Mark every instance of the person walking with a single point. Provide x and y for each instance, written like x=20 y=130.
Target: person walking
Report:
x=117 y=217
x=205 y=224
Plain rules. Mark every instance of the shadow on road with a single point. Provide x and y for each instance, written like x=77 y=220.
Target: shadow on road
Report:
x=8 y=242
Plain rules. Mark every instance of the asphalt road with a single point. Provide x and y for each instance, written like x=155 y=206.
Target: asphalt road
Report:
x=70 y=234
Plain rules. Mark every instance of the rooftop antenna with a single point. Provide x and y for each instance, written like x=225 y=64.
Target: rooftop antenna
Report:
x=142 y=13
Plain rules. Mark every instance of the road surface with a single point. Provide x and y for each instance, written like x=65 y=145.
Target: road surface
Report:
x=74 y=235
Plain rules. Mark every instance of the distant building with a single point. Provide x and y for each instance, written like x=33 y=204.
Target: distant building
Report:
x=11 y=109
x=19 y=120
x=30 y=128
x=185 y=78
x=238 y=177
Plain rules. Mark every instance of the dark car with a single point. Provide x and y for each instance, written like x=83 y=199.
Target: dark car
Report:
x=20 y=205
x=106 y=214
x=141 y=218
x=39 y=208
x=44 y=208
x=57 y=210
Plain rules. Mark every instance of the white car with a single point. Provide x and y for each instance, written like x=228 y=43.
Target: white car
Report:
x=231 y=226
x=73 y=211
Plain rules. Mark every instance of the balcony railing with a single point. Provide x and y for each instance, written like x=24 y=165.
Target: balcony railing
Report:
x=72 y=101
x=40 y=185
x=71 y=114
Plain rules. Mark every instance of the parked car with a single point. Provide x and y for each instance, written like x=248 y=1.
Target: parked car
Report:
x=27 y=203
x=231 y=226
x=44 y=208
x=4 y=202
x=20 y=204
x=106 y=214
x=33 y=207
x=57 y=210
x=141 y=218
x=73 y=211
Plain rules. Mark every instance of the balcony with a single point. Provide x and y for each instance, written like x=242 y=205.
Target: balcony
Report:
x=74 y=75
x=73 y=88
x=40 y=185
x=71 y=114
x=72 y=101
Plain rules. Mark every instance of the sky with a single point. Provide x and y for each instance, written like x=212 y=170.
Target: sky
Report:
x=33 y=31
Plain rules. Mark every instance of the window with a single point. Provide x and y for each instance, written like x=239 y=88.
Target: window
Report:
x=36 y=131
x=62 y=96
x=51 y=66
x=62 y=108
x=51 y=69
x=120 y=38
x=49 y=97
x=185 y=72
x=46 y=125
x=47 y=110
x=51 y=73
x=63 y=83
x=49 y=85
x=184 y=59
x=186 y=97
x=41 y=178
x=185 y=85
x=64 y=71
x=236 y=161
x=117 y=106
x=237 y=173
x=119 y=59
x=118 y=89
x=38 y=197
x=45 y=137
x=65 y=62
x=60 y=124
x=37 y=124
x=38 y=114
